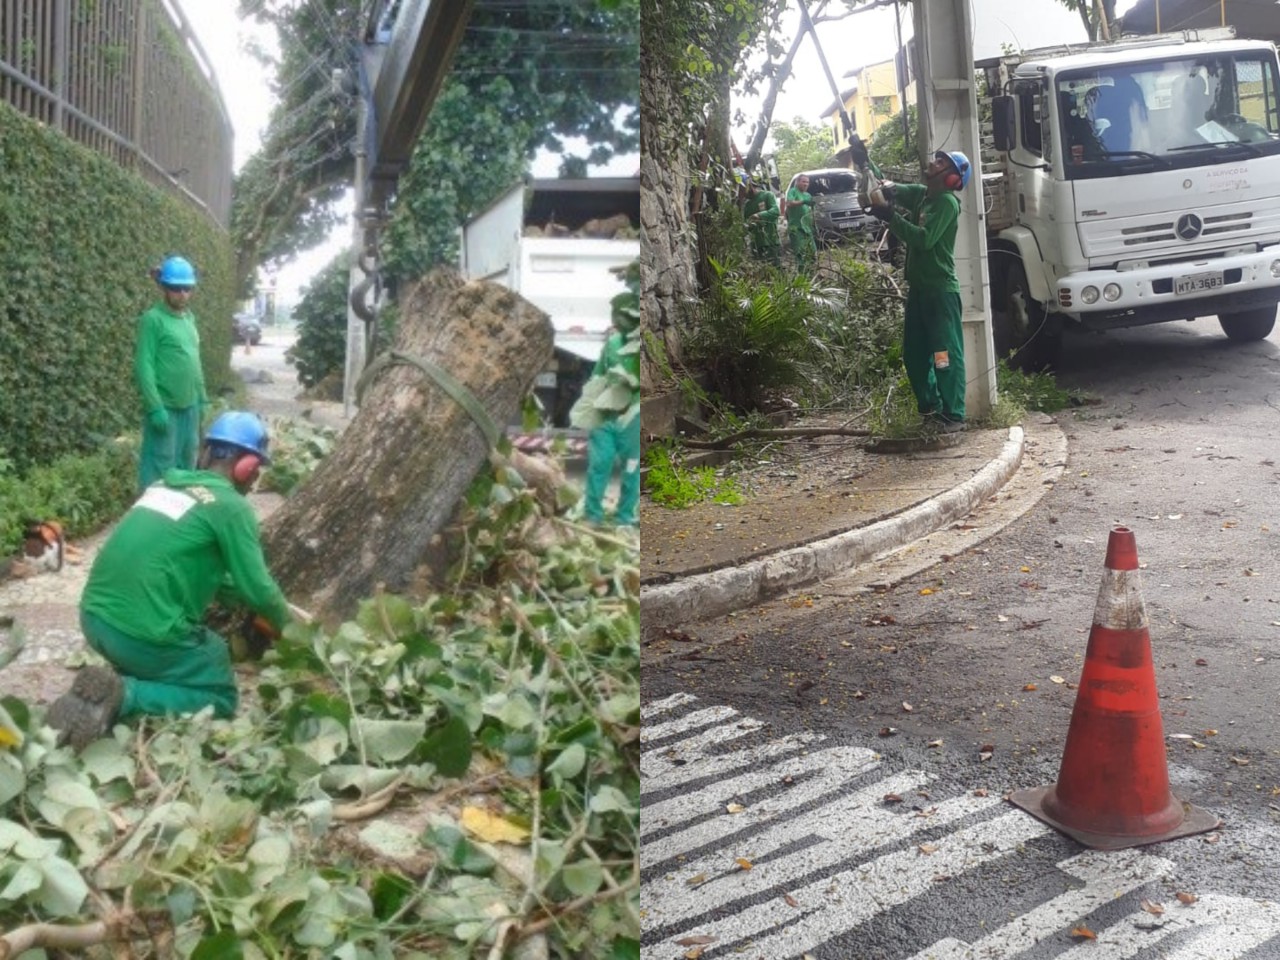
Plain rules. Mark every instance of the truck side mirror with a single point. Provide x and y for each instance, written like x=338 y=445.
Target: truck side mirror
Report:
x=1004 y=125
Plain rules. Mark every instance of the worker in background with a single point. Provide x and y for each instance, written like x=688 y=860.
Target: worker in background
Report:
x=932 y=336
x=799 y=211
x=761 y=215
x=190 y=536
x=167 y=369
x=609 y=410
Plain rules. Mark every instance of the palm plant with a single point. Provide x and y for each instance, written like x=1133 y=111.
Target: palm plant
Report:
x=756 y=334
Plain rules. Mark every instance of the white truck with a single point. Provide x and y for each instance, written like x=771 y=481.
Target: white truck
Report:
x=556 y=243
x=1137 y=182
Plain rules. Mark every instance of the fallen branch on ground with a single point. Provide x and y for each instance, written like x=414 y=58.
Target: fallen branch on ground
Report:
x=726 y=442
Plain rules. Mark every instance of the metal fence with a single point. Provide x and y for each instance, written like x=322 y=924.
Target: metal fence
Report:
x=128 y=79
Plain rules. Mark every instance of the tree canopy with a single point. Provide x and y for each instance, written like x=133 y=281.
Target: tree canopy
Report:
x=526 y=76
x=800 y=145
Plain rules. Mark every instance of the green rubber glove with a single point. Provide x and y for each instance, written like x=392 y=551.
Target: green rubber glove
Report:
x=158 y=419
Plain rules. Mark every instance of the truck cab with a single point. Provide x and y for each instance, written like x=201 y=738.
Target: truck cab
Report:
x=1137 y=182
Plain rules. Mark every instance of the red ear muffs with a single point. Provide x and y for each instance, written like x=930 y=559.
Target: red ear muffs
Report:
x=953 y=181
x=246 y=469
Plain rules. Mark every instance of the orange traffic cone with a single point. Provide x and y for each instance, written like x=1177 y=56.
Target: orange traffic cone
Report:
x=1113 y=784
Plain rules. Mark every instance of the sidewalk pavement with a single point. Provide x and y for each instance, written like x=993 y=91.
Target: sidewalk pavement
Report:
x=41 y=614
x=801 y=525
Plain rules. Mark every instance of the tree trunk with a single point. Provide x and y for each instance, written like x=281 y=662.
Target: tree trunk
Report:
x=368 y=513
x=666 y=238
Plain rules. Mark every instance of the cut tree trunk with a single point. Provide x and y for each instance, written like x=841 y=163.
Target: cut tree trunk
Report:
x=393 y=480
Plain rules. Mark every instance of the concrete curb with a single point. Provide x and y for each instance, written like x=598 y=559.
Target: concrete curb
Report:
x=723 y=591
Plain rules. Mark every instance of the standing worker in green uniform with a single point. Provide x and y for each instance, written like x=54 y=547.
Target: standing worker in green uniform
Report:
x=800 y=225
x=761 y=214
x=167 y=369
x=190 y=536
x=932 y=335
x=609 y=409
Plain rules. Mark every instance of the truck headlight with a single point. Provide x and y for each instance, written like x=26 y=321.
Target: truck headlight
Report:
x=1111 y=292
x=1089 y=294
x=1275 y=269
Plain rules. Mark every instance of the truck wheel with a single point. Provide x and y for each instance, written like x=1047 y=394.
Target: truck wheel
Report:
x=1248 y=325
x=1024 y=331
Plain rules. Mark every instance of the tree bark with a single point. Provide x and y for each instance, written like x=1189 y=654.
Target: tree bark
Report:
x=666 y=237
x=368 y=513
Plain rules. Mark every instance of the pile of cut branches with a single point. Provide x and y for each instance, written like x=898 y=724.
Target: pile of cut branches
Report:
x=449 y=778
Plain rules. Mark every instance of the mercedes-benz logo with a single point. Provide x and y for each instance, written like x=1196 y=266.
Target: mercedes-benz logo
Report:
x=1189 y=226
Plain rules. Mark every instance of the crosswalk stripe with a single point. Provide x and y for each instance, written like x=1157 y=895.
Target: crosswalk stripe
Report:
x=824 y=771
x=669 y=767
x=665 y=705
x=1105 y=875
x=852 y=827
x=695 y=746
x=805 y=885
x=690 y=721
x=840 y=902
x=1227 y=927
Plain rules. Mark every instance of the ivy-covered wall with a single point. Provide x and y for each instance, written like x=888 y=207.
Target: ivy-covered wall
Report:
x=78 y=237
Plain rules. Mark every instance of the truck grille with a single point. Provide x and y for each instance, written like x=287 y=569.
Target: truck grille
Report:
x=1151 y=237
x=1164 y=232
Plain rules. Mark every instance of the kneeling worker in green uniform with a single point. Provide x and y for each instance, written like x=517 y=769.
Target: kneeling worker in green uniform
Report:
x=189 y=536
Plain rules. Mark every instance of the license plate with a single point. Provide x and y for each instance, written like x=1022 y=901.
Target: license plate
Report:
x=1197 y=282
x=847 y=224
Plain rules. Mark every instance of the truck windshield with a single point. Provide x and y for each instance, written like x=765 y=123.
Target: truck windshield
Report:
x=1183 y=112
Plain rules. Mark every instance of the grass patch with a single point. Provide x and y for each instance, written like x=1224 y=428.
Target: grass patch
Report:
x=672 y=485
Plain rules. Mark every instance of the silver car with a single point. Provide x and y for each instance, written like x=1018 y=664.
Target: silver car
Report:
x=836 y=211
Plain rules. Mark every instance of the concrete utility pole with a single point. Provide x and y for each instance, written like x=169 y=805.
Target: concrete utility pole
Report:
x=948 y=120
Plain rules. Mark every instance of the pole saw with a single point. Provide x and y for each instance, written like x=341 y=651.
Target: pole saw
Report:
x=872 y=190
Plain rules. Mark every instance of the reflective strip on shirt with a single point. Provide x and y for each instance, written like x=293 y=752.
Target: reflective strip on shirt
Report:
x=166 y=501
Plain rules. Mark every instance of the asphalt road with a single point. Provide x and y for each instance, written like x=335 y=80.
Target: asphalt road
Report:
x=956 y=686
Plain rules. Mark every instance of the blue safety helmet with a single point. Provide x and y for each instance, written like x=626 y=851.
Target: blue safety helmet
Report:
x=243 y=430
x=961 y=164
x=177 y=272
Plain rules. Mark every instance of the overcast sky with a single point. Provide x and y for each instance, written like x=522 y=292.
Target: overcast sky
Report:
x=868 y=38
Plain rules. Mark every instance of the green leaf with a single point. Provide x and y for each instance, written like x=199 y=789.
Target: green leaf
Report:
x=62 y=890
x=583 y=877
x=13 y=780
x=570 y=761
x=389 y=741
x=610 y=799
x=324 y=740
x=449 y=748
x=25 y=879
x=63 y=796
x=457 y=851
x=224 y=945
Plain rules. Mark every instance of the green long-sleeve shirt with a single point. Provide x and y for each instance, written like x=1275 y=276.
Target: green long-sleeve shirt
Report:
x=173 y=551
x=929 y=232
x=166 y=364
x=764 y=230
x=799 y=210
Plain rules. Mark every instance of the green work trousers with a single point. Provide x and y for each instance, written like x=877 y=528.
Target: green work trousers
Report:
x=174 y=446
x=803 y=247
x=609 y=443
x=167 y=678
x=933 y=351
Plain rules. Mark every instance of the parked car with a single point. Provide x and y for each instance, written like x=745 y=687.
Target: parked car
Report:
x=836 y=211
x=246 y=328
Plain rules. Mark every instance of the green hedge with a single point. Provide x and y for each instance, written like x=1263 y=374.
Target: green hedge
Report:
x=78 y=235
